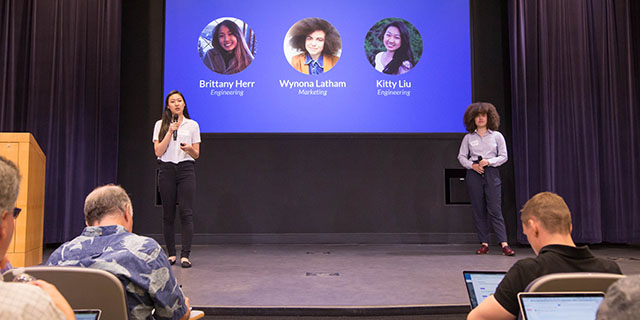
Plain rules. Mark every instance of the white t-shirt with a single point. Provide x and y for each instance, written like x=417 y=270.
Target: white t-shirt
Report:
x=378 y=61
x=406 y=65
x=188 y=132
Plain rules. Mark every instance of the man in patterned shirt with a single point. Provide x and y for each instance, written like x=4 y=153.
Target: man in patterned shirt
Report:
x=139 y=262
x=34 y=300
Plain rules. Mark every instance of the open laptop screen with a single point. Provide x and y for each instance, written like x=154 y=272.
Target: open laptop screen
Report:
x=84 y=314
x=562 y=305
x=481 y=284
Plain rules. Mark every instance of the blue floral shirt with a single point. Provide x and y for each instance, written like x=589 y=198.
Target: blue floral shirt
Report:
x=137 y=261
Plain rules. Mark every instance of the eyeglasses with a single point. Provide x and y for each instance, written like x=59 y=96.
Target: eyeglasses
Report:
x=16 y=212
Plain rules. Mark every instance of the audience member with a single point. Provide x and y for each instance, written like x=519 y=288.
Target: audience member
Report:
x=34 y=300
x=622 y=300
x=546 y=221
x=139 y=262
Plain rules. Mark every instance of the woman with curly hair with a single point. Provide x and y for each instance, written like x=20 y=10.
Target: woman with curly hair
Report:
x=398 y=57
x=482 y=151
x=230 y=53
x=319 y=43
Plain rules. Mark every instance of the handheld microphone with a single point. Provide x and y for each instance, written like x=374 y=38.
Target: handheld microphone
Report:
x=478 y=162
x=175 y=133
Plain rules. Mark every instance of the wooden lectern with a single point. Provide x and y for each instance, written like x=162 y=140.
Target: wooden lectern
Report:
x=24 y=151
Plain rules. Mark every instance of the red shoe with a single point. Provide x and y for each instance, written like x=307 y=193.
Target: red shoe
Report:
x=507 y=251
x=483 y=250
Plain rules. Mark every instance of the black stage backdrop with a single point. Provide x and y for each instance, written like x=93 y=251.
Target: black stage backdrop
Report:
x=576 y=108
x=60 y=80
x=292 y=188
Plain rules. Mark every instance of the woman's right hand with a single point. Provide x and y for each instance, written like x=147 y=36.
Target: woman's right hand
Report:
x=477 y=168
x=173 y=126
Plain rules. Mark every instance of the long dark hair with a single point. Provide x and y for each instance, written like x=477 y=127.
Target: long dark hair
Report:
x=403 y=53
x=241 y=55
x=166 y=114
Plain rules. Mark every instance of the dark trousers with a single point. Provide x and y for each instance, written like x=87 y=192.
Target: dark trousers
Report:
x=485 y=192
x=177 y=183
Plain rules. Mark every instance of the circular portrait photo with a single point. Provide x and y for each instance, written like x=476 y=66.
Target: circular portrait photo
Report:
x=312 y=46
x=393 y=46
x=227 y=45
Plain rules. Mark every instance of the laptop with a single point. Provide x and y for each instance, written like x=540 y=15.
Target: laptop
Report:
x=481 y=284
x=87 y=314
x=559 y=305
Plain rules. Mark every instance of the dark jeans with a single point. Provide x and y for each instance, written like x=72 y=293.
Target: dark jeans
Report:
x=485 y=193
x=177 y=183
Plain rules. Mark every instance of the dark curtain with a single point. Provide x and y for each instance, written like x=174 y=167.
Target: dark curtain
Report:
x=576 y=112
x=60 y=80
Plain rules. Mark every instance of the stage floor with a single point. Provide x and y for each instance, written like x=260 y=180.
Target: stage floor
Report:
x=349 y=275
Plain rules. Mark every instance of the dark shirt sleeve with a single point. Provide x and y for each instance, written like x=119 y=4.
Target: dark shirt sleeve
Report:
x=615 y=268
x=515 y=281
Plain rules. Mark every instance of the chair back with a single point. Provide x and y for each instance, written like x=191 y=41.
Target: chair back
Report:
x=574 y=281
x=84 y=288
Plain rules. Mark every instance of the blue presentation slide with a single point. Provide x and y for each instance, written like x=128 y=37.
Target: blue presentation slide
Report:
x=284 y=66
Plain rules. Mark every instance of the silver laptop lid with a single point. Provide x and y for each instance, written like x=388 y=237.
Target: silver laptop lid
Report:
x=559 y=305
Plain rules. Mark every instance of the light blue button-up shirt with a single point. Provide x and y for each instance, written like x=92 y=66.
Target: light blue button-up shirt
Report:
x=491 y=147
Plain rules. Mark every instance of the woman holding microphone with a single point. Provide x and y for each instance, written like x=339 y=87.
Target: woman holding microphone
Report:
x=482 y=151
x=176 y=142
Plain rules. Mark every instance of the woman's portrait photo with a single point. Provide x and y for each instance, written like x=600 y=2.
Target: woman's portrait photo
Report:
x=227 y=45
x=312 y=46
x=393 y=46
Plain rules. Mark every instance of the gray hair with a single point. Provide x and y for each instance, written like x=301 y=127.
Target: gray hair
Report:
x=105 y=200
x=622 y=300
x=10 y=185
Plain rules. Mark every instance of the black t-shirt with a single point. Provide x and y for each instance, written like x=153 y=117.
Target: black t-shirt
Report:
x=551 y=259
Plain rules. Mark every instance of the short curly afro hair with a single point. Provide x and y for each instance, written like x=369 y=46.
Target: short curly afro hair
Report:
x=474 y=109
x=304 y=27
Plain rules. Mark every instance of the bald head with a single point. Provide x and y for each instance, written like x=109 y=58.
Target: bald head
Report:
x=104 y=201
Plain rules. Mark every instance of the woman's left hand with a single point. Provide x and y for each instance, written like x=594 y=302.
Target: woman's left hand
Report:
x=484 y=163
x=192 y=150
x=186 y=147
